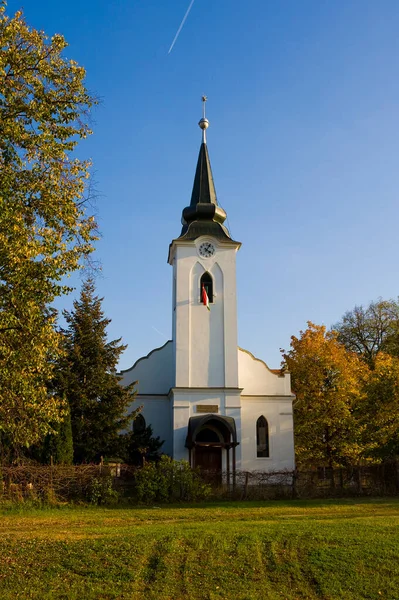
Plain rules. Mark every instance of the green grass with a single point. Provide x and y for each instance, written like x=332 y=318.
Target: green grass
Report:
x=234 y=551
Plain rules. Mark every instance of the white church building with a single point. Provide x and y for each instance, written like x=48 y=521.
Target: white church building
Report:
x=213 y=403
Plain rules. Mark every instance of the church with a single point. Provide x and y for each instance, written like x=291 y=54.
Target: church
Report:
x=213 y=403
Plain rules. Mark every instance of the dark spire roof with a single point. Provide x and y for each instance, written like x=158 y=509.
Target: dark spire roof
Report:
x=204 y=216
x=204 y=187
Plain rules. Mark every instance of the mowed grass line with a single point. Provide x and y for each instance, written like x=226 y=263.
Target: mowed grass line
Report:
x=233 y=551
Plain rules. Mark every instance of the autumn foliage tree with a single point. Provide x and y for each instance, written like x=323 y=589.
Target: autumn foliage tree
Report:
x=380 y=410
x=44 y=227
x=371 y=329
x=373 y=333
x=326 y=379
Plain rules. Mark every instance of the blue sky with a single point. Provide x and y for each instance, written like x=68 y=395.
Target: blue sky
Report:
x=304 y=113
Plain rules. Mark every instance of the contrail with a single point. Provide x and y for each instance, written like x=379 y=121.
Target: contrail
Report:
x=160 y=332
x=181 y=26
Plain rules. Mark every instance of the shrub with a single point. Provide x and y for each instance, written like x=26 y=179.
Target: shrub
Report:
x=101 y=491
x=170 y=481
x=50 y=497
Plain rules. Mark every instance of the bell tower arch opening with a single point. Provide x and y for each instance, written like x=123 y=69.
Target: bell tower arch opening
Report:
x=206 y=282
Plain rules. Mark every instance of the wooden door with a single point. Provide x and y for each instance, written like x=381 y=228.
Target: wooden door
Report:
x=208 y=458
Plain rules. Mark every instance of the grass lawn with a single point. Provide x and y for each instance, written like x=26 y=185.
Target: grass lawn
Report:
x=233 y=551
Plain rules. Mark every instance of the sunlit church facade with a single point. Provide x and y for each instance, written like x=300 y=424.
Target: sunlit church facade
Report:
x=213 y=403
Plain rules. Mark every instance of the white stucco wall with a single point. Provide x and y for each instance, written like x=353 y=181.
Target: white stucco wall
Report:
x=185 y=402
x=157 y=412
x=255 y=377
x=168 y=409
x=206 y=338
x=278 y=413
x=153 y=372
x=268 y=394
x=205 y=341
x=155 y=375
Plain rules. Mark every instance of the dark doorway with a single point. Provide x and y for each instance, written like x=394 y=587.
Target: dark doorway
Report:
x=209 y=437
x=208 y=458
x=208 y=452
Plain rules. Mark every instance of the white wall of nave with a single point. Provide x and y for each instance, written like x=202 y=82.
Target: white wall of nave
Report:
x=278 y=413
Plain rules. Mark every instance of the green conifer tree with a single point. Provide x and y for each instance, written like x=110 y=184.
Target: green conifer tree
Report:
x=88 y=380
x=141 y=446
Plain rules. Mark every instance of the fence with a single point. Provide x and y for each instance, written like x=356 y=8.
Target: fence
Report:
x=63 y=483
x=93 y=482
x=380 y=480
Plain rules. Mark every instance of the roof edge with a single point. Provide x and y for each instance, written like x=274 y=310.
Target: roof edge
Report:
x=145 y=357
x=277 y=372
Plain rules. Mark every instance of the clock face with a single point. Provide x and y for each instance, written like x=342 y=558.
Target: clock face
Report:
x=206 y=250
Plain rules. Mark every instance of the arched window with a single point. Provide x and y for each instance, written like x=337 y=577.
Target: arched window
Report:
x=207 y=282
x=262 y=438
x=139 y=424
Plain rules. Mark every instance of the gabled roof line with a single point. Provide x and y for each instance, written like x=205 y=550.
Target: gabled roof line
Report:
x=144 y=357
x=277 y=372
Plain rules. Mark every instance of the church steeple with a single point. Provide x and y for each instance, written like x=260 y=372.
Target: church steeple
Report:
x=204 y=188
x=204 y=216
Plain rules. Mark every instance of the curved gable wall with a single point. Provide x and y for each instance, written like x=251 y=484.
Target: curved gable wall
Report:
x=154 y=372
x=256 y=378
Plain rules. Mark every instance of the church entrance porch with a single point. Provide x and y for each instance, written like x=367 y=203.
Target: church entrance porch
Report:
x=210 y=439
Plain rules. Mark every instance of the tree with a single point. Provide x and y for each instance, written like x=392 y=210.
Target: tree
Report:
x=380 y=411
x=370 y=330
x=87 y=378
x=141 y=446
x=57 y=446
x=44 y=228
x=327 y=380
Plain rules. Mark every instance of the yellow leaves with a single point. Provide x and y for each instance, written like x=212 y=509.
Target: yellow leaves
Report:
x=44 y=230
x=383 y=399
x=327 y=382
x=344 y=409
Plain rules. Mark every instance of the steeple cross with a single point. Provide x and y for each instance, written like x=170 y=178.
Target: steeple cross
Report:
x=204 y=123
x=204 y=99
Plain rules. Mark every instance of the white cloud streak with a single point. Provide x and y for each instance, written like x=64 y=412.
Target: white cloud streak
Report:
x=181 y=26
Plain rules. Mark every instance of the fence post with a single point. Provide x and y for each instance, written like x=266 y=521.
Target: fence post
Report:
x=341 y=479
x=246 y=485
x=294 y=492
x=384 y=479
x=359 y=479
x=8 y=484
x=51 y=494
x=331 y=473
